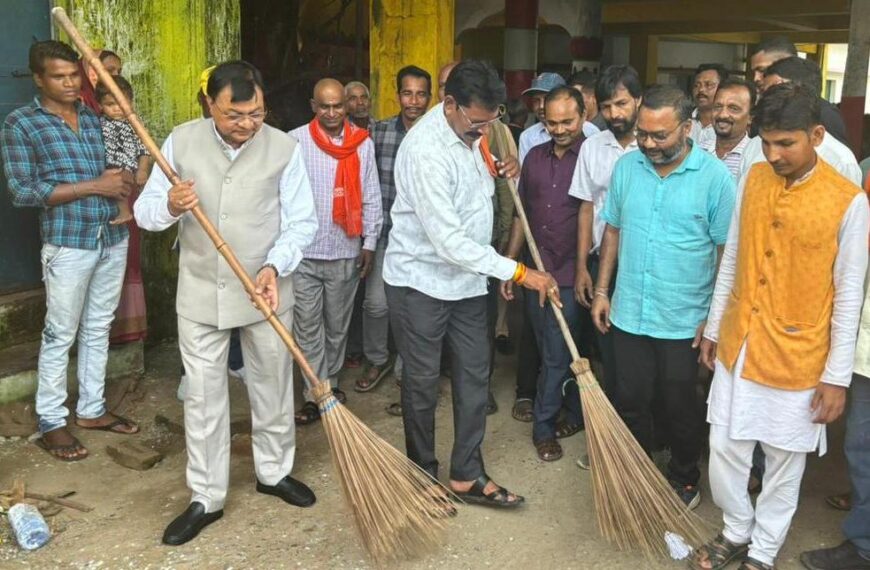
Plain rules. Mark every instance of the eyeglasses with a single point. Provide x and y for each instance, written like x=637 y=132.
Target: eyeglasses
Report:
x=482 y=124
x=256 y=117
x=659 y=137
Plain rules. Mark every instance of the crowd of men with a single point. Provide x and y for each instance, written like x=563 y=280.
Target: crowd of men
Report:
x=723 y=227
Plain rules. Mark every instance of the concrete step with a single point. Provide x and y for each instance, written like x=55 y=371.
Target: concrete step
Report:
x=18 y=369
x=22 y=315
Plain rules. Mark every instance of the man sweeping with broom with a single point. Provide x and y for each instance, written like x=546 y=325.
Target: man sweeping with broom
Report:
x=782 y=326
x=248 y=178
x=435 y=269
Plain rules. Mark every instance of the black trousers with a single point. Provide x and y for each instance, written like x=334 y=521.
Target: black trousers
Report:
x=645 y=367
x=528 y=357
x=422 y=324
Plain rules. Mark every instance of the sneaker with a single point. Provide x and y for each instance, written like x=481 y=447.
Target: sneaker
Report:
x=181 y=392
x=240 y=373
x=689 y=494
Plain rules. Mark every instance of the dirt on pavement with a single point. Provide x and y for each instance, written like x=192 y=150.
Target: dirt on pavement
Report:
x=555 y=530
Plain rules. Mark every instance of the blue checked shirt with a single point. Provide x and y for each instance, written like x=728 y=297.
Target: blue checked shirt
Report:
x=39 y=152
x=387 y=136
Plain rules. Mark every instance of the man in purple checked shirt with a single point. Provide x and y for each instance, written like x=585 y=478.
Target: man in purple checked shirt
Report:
x=552 y=213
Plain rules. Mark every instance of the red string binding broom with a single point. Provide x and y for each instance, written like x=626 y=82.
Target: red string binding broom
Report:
x=634 y=504
x=399 y=509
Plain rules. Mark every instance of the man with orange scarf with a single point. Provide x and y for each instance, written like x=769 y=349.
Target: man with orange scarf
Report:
x=340 y=160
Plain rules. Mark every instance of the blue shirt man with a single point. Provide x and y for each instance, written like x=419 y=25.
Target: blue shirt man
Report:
x=54 y=159
x=667 y=214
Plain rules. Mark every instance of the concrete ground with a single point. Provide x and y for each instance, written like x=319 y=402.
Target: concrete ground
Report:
x=555 y=530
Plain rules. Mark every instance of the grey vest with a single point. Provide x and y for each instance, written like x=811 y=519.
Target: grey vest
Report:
x=241 y=198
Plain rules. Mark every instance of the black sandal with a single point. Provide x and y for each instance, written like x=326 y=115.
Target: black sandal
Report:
x=719 y=552
x=753 y=564
x=307 y=414
x=498 y=499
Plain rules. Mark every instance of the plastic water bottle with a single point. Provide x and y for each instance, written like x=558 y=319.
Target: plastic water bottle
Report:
x=29 y=527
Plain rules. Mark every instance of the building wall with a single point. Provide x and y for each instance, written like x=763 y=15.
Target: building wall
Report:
x=164 y=44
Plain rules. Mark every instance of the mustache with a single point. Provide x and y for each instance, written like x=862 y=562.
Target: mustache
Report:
x=473 y=135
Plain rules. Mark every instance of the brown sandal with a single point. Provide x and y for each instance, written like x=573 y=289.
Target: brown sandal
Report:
x=564 y=429
x=549 y=450
x=119 y=422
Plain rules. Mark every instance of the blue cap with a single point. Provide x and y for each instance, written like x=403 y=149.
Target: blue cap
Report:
x=544 y=83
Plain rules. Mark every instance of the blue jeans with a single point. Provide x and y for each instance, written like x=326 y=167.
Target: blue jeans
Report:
x=82 y=289
x=555 y=365
x=856 y=527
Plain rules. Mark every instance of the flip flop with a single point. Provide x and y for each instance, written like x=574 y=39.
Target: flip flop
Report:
x=52 y=449
x=119 y=421
x=369 y=381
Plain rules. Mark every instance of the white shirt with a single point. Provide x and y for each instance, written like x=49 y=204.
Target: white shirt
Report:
x=598 y=156
x=331 y=242
x=442 y=216
x=538 y=134
x=298 y=218
x=701 y=134
x=831 y=150
x=733 y=158
x=782 y=418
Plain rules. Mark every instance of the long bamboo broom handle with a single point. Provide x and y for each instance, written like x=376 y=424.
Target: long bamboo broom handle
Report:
x=498 y=133
x=223 y=248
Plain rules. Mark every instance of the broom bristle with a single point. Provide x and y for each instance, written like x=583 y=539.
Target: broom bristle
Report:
x=634 y=503
x=399 y=510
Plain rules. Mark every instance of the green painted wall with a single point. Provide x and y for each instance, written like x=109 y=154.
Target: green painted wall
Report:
x=164 y=44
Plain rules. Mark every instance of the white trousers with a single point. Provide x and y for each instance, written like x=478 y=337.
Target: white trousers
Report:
x=765 y=527
x=204 y=351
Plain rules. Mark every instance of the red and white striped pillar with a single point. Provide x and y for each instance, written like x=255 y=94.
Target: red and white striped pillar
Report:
x=520 y=45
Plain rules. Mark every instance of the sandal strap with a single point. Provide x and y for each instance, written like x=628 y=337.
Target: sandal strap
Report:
x=480 y=484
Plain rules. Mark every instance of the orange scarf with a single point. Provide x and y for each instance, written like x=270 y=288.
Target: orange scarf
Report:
x=487 y=157
x=347 y=192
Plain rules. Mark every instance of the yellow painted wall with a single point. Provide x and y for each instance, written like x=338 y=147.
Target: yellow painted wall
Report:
x=164 y=44
x=407 y=32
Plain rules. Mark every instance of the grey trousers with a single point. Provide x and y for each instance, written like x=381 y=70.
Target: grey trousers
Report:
x=204 y=351
x=420 y=324
x=325 y=290
x=376 y=317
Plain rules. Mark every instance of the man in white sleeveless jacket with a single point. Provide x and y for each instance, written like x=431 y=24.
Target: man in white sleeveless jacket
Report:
x=249 y=180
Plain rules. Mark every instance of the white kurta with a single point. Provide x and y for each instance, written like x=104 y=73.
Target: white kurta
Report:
x=783 y=418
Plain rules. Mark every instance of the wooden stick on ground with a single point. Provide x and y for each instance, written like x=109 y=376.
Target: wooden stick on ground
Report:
x=390 y=497
x=635 y=505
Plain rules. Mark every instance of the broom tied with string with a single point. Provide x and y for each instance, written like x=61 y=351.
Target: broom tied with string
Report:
x=399 y=510
x=635 y=505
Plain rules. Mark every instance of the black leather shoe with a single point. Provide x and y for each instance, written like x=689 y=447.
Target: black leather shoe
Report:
x=188 y=524
x=843 y=557
x=292 y=491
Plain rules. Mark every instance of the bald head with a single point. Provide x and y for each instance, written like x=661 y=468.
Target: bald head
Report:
x=328 y=87
x=443 y=74
x=328 y=105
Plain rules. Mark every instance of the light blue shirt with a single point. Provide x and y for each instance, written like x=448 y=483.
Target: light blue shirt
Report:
x=538 y=134
x=442 y=216
x=669 y=230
